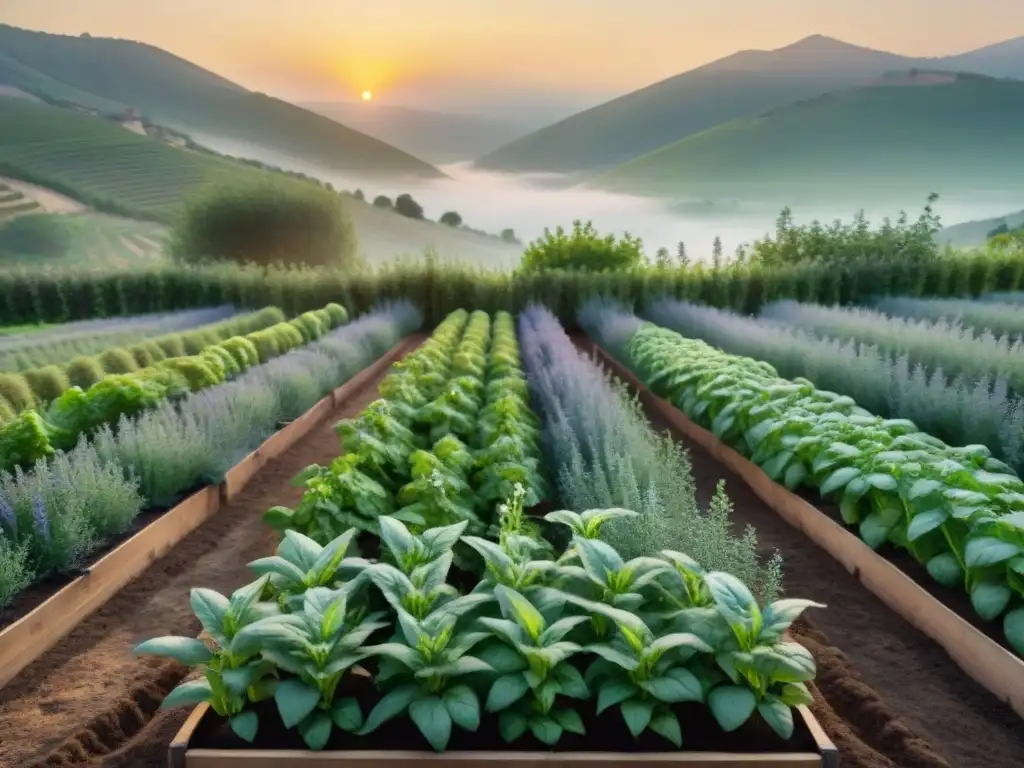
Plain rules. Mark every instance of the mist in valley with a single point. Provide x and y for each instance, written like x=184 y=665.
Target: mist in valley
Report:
x=527 y=204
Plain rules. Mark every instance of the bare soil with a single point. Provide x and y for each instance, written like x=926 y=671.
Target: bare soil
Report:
x=89 y=697
x=891 y=696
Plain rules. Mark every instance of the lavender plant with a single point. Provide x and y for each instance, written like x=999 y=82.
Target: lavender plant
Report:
x=958 y=412
x=998 y=317
x=606 y=455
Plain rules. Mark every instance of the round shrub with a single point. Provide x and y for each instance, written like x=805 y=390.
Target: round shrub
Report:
x=266 y=343
x=289 y=337
x=315 y=322
x=141 y=354
x=324 y=317
x=269 y=316
x=278 y=221
x=215 y=364
x=197 y=341
x=83 y=372
x=118 y=360
x=230 y=365
x=16 y=391
x=582 y=249
x=47 y=383
x=195 y=369
x=339 y=315
x=156 y=353
x=243 y=350
x=172 y=345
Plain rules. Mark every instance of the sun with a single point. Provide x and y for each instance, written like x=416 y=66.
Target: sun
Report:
x=367 y=95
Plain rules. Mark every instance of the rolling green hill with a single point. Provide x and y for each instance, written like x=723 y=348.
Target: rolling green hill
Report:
x=973 y=233
x=101 y=72
x=903 y=136
x=103 y=164
x=743 y=85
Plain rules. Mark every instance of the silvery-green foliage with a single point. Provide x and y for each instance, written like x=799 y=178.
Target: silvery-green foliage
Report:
x=958 y=412
x=609 y=323
x=943 y=343
x=1004 y=297
x=607 y=455
x=21 y=352
x=15 y=573
x=998 y=317
x=66 y=507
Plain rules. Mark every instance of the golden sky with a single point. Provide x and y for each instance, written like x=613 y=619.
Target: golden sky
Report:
x=430 y=51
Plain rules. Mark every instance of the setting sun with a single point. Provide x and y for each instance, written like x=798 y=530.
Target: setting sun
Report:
x=367 y=95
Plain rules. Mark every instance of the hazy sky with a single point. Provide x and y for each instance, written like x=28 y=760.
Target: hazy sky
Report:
x=447 y=53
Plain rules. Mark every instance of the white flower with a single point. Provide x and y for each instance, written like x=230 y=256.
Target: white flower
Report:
x=519 y=490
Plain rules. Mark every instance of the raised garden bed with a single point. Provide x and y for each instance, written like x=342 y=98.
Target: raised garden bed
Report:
x=31 y=636
x=205 y=742
x=984 y=660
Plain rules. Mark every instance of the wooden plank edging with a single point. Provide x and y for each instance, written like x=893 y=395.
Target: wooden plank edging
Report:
x=32 y=635
x=180 y=756
x=986 y=662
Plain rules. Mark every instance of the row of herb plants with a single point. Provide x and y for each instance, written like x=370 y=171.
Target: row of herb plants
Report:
x=541 y=646
x=29 y=296
x=608 y=455
x=59 y=511
x=998 y=317
x=35 y=387
x=37 y=434
x=943 y=346
x=959 y=411
x=452 y=432
x=57 y=344
x=958 y=511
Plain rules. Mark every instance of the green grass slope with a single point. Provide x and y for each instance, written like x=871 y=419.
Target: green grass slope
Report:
x=171 y=91
x=877 y=142
x=103 y=164
x=973 y=233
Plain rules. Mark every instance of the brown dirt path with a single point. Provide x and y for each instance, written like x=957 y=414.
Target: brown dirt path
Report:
x=89 y=696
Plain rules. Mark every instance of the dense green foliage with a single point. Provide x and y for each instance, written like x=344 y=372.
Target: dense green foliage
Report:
x=451 y=219
x=405 y=205
x=582 y=249
x=282 y=223
x=43 y=235
x=958 y=511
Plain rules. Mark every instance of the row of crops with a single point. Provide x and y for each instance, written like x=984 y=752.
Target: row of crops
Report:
x=94 y=460
x=479 y=615
x=958 y=510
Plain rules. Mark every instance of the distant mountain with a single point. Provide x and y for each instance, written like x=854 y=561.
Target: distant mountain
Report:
x=101 y=73
x=742 y=85
x=437 y=137
x=903 y=136
x=972 y=233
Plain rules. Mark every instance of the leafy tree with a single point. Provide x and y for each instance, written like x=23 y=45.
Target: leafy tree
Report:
x=662 y=259
x=582 y=249
x=359 y=195
x=382 y=201
x=681 y=257
x=272 y=222
x=451 y=218
x=716 y=253
x=509 y=236
x=405 y=205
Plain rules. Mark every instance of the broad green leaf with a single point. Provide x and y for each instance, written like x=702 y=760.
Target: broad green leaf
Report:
x=614 y=655
x=211 y=608
x=244 y=598
x=443 y=538
x=874 y=530
x=613 y=692
x=546 y=730
x=432 y=718
x=188 y=694
x=676 y=685
x=237 y=680
x=988 y=550
x=1013 y=627
x=882 y=481
x=392 y=704
x=512 y=725
x=330 y=557
x=679 y=640
x=467 y=665
x=796 y=473
x=515 y=606
x=298 y=548
x=463 y=706
x=347 y=715
x=567 y=518
x=395 y=535
x=923 y=487
x=187 y=650
x=399 y=652
x=570 y=681
x=794 y=694
x=926 y=522
x=778 y=716
x=782 y=613
x=784 y=662
x=245 y=724
x=278 y=566
x=505 y=691
x=570 y=720
x=560 y=629
x=732 y=597
x=316 y=730
x=990 y=598
x=731 y=705
x=502 y=658
x=598 y=558
x=637 y=714
x=295 y=700
x=946 y=570
x=838 y=479
x=666 y=724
